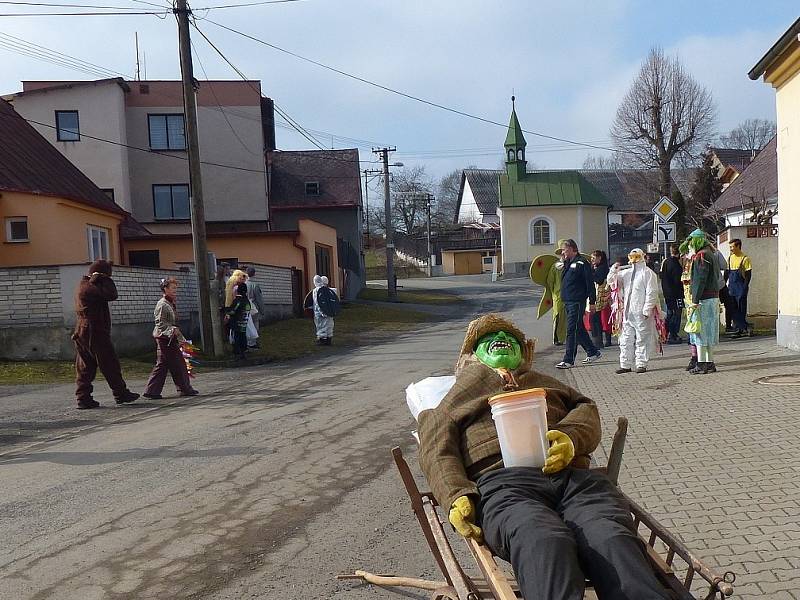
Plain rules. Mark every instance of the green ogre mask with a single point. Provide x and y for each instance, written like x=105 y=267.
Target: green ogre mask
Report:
x=499 y=350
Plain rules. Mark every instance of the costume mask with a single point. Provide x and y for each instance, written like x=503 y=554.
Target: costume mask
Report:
x=635 y=255
x=499 y=350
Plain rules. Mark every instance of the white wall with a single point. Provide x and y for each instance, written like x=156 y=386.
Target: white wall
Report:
x=101 y=114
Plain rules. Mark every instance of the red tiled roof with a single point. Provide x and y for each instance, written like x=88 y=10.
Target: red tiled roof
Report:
x=338 y=173
x=29 y=163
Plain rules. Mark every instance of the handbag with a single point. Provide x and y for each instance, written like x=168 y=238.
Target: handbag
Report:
x=693 y=324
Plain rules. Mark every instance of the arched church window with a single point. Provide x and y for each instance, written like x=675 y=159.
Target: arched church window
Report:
x=540 y=232
x=510 y=155
x=520 y=154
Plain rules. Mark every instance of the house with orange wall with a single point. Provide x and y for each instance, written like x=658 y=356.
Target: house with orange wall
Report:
x=311 y=248
x=51 y=213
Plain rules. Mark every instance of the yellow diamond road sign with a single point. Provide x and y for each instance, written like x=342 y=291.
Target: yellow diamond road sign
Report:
x=665 y=209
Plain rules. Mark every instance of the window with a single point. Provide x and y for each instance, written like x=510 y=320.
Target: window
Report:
x=98 y=243
x=144 y=258
x=171 y=201
x=166 y=132
x=312 y=188
x=17 y=229
x=109 y=192
x=67 y=127
x=510 y=155
x=540 y=232
x=323 y=261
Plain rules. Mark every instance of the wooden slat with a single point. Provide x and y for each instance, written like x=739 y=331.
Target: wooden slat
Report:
x=495 y=577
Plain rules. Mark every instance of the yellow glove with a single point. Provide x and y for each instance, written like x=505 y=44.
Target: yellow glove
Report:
x=561 y=452
x=462 y=518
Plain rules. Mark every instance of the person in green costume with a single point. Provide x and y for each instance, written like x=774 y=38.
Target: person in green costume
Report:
x=546 y=271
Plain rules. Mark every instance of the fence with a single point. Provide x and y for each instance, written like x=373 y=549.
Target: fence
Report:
x=37 y=312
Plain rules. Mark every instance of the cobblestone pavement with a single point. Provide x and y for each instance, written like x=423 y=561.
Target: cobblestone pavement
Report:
x=714 y=457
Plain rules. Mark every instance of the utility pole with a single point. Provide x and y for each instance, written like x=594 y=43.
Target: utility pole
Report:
x=182 y=12
x=428 y=201
x=367 y=173
x=391 y=284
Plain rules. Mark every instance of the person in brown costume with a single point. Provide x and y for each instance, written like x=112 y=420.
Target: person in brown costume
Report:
x=168 y=337
x=92 y=337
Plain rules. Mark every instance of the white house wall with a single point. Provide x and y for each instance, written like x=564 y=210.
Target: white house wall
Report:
x=101 y=114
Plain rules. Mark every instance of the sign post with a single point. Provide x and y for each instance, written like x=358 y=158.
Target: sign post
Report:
x=664 y=230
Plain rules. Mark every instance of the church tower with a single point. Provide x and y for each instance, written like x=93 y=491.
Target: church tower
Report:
x=515 y=147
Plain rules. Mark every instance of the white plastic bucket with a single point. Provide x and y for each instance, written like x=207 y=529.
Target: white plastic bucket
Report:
x=521 y=421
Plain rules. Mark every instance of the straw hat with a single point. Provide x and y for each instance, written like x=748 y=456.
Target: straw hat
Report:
x=490 y=323
x=557 y=249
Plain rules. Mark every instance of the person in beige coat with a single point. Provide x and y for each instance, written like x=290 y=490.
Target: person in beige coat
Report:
x=168 y=338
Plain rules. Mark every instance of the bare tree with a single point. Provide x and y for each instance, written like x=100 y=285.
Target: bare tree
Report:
x=613 y=162
x=665 y=115
x=408 y=188
x=447 y=197
x=751 y=134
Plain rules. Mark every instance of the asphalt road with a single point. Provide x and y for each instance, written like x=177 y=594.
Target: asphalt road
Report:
x=269 y=484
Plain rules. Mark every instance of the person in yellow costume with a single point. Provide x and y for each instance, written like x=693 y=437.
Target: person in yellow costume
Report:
x=557 y=524
x=739 y=273
x=546 y=271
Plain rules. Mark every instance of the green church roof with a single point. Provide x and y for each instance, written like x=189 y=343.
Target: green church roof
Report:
x=515 y=137
x=549 y=188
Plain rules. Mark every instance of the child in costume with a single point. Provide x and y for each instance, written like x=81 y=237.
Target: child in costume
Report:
x=555 y=525
x=238 y=313
x=702 y=309
x=169 y=343
x=638 y=286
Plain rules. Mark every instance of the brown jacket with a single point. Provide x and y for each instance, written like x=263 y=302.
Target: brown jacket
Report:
x=458 y=438
x=91 y=303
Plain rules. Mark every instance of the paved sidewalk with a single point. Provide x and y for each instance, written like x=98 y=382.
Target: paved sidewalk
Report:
x=715 y=458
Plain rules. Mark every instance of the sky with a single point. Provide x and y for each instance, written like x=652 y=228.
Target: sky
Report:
x=568 y=62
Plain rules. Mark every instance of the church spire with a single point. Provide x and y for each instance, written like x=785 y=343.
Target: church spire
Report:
x=515 y=146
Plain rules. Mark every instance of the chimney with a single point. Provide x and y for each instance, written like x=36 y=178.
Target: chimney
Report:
x=268 y=123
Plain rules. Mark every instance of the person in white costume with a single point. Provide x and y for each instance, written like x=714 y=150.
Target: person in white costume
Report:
x=637 y=285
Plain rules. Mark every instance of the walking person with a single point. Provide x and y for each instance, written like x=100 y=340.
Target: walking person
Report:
x=237 y=314
x=324 y=303
x=740 y=272
x=256 y=298
x=672 y=287
x=92 y=337
x=601 y=318
x=702 y=320
x=577 y=286
x=637 y=285
x=168 y=338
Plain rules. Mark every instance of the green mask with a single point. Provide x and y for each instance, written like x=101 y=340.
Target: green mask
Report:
x=499 y=350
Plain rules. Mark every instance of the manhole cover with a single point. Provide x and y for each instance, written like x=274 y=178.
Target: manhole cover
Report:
x=793 y=379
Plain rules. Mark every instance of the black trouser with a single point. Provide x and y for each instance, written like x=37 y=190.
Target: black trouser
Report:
x=674 y=314
x=239 y=341
x=556 y=529
x=576 y=332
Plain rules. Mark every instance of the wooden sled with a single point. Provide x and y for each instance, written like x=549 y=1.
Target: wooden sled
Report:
x=493 y=582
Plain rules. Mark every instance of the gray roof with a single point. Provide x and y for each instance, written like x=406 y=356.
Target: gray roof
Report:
x=734 y=157
x=485 y=186
x=759 y=181
x=631 y=190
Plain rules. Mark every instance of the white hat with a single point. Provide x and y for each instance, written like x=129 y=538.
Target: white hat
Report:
x=324 y=280
x=318 y=281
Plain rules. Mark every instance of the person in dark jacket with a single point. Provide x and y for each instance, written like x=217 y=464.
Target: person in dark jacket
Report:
x=672 y=287
x=601 y=318
x=92 y=337
x=238 y=313
x=577 y=286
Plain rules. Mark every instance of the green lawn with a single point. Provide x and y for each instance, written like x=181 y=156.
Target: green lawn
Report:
x=356 y=325
x=410 y=296
x=61 y=371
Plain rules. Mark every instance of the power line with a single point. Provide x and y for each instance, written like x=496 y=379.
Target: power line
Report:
x=398 y=92
x=248 y=4
x=84 y=14
x=280 y=111
x=38 y=52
